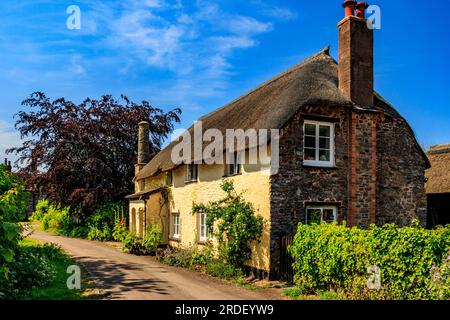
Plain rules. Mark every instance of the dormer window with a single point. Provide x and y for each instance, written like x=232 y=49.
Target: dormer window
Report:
x=318 y=144
x=234 y=168
x=169 y=178
x=191 y=172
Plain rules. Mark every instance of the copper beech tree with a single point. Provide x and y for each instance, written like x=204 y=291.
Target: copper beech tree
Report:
x=83 y=155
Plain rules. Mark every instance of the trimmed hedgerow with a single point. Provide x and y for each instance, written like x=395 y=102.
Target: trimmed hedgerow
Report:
x=334 y=257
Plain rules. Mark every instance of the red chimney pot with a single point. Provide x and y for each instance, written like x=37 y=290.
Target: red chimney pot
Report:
x=349 y=6
x=361 y=9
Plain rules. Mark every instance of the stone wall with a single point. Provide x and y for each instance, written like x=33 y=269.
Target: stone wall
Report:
x=378 y=175
x=401 y=175
x=296 y=186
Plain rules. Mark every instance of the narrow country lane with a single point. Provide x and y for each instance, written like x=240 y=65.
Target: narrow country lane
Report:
x=125 y=276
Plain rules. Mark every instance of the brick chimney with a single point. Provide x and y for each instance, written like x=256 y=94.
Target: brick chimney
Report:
x=143 y=145
x=8 y=164
x=356 y=54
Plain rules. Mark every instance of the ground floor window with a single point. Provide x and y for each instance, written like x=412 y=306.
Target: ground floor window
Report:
x=205 y=233
x=176 y=225
x=319 y=214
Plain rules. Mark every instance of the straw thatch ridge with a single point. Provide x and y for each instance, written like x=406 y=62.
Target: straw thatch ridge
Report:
x=438 y=176
x=272 y=104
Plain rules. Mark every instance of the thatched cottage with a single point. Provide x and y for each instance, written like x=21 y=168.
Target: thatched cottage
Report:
x=344 y=153
x=438 y=185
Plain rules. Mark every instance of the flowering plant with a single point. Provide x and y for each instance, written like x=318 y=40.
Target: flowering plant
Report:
x=440 y=280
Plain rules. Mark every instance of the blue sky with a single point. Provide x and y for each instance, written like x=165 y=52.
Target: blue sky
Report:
x=199 y=55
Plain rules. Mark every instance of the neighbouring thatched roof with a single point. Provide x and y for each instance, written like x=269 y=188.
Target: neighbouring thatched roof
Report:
x=272 y=104
x=438 y=176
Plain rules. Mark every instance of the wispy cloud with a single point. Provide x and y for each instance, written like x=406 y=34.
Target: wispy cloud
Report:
x=190 y=45
x=195 y=46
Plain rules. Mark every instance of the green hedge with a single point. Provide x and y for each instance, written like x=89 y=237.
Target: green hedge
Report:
x=334 y=257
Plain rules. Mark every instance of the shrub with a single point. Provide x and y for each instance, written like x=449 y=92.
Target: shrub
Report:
x=120 y=230
x=332 y=257
x=31 y=268
x=13 y=200
x=176 y=257
x=41 y=210
x=99 y=226
x=222 y=270
x=101 y=223
x=143 y=246
x=152 y=239
x=237 y=225
x=440 y=280
x=193 y=258
x=58 y=220
x=79 y=232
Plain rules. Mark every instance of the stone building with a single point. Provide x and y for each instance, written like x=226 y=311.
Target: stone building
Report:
x=438 y=185
x=345 y=154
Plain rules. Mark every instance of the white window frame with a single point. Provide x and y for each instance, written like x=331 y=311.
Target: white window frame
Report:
x=203 y=237
x=334 y=208
x=317 y=162
x=176 y=227
x=189 y=178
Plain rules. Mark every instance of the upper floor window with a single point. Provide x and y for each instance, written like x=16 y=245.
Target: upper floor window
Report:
x=318 y=144
x=169 y=178
x=191 y=172
x=319 y=214
x=235 y=167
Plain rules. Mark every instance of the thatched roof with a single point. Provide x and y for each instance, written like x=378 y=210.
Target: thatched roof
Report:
x=272 y=104
x=438 y=176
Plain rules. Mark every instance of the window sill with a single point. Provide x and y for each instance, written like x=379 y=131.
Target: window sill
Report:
x=232 y=175
x=176 y=239
x=317 y=166
x=190 y=181
x=204 y=242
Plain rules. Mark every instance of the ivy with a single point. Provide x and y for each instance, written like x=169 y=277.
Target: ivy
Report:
x=237 y=225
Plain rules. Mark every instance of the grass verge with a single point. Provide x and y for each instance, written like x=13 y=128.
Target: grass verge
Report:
x=57 y=289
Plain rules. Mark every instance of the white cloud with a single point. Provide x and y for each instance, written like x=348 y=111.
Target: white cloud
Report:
x=280 y=13
x=195 y=46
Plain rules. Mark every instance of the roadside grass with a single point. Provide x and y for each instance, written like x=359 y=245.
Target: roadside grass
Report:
x=58 y=290
x=294 y=293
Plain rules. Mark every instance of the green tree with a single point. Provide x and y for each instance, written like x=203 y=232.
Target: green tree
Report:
x=13 y=202
x=237 y=224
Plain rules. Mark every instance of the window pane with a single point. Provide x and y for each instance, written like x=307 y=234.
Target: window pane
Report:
x=310 y=154
x=324 y=155
x=324 y=131
x=313 y=216
x=310 y=129
x=310 y=142
x=328 y=215
x=324 y=143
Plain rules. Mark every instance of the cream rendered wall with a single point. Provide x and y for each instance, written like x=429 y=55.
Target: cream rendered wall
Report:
x=138 y=206
x=252 y=181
